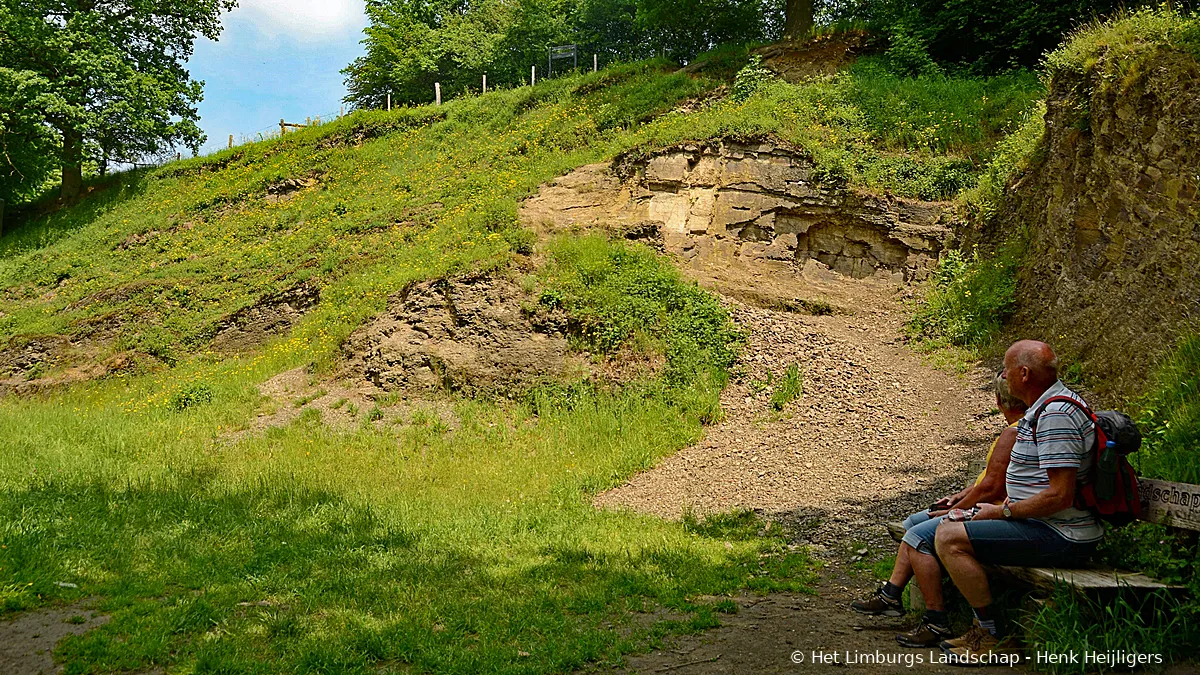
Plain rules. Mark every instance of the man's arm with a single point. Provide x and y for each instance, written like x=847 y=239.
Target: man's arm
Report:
x=1060 y=495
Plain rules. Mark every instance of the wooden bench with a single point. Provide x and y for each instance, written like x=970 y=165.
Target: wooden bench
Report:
x=1176 y=505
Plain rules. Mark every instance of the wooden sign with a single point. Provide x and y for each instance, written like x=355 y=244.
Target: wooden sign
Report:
x=1172 y=504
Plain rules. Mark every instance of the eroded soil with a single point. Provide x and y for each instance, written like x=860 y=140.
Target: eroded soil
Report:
x=27 y=640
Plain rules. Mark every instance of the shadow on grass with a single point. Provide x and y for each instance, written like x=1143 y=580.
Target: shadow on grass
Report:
x=39 y=224
x=274 y=578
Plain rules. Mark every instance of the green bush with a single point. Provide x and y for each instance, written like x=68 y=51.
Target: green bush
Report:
x=619 y=293
x=908 y=53
x=751 y=78
x=968 y=297
x=190 y=396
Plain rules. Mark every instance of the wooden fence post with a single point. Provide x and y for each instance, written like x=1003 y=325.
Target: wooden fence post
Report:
x=437 y=93
x=485 y=83
x=282 y=127
x=595 y=62
x=308 y=121
x=230 y=141
x=341 y=112
x=532 y=75
x=389 y=100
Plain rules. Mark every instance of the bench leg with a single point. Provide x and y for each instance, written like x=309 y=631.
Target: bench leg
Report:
x=916 y=599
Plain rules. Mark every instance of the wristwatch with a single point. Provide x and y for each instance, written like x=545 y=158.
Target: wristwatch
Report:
x=1007 y=512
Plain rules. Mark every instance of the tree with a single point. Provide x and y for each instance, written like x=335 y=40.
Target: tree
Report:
x=107 y=75
x=410 y=44
x=798 y=19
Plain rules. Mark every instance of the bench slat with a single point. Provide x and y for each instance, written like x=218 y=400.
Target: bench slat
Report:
x=1084 y=579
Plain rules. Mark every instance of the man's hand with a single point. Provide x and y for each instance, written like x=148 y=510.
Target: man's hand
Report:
x=989 y=512
x=943 y=503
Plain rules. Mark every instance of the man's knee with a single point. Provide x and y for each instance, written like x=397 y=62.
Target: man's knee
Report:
x=951 y=538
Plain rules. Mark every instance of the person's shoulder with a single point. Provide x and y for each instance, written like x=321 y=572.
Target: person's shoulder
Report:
x=1061 y=406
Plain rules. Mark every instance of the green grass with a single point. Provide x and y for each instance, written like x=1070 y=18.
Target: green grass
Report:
x=1118 y=48
x=312 y=550
x=1151 y=625
x=789 y=388
x=1170 y=417
x=925 y=137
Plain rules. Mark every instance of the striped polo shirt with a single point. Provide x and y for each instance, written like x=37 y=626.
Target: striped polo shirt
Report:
x=1064 y=440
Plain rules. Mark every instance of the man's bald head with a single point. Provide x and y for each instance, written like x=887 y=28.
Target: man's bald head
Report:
x=1030 y=367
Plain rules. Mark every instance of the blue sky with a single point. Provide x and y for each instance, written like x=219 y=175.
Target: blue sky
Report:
x=275 y=58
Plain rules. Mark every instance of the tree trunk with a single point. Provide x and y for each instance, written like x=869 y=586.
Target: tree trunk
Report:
x=72 y=160
x=798 y=19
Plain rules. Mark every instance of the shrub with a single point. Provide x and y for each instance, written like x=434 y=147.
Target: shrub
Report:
x=616 y=292
x=908 y=54
x=968 y=297
x=751 y=78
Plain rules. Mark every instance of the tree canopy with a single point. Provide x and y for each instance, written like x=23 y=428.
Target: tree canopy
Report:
x=98 y=81
x=410 y=44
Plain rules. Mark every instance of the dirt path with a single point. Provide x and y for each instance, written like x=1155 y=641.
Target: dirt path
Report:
x=876 y=435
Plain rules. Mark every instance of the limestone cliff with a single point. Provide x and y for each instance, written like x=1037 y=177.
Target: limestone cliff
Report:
x=725 y=202
x=1112 y=273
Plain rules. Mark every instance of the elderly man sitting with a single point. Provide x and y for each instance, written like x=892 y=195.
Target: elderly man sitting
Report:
x=1039 y=525
x=916 y=556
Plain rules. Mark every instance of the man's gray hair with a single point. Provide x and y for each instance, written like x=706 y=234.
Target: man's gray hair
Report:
x=1005 y=396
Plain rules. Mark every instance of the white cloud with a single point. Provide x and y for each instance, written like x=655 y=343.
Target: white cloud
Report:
x=308 y=20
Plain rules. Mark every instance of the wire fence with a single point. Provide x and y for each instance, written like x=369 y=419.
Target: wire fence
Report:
x=279 y=129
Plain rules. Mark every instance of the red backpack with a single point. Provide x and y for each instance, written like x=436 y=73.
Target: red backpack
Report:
x=1110 y=489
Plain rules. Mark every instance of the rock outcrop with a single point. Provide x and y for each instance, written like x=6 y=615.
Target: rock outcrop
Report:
x=469 y=334
x=750 y=201
x=1113 y=269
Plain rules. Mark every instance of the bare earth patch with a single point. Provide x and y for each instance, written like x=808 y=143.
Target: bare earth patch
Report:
x=27 y=641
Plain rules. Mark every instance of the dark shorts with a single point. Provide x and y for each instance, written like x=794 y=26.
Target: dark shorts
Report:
x=1025 y=543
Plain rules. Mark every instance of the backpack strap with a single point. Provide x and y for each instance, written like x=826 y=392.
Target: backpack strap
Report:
x=1062 y=399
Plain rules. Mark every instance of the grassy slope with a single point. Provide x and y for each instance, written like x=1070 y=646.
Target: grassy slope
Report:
x=469 y=551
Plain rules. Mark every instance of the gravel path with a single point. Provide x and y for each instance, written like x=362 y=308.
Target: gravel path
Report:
x=875 y=434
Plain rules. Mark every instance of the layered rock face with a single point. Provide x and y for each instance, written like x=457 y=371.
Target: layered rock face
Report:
x=755 y=201
x=468 y=334
x=1113 y=271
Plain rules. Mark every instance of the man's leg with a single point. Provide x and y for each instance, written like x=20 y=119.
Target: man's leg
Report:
x=954 y=549
x=958 y=555
x=902 y=571
x=929 y=578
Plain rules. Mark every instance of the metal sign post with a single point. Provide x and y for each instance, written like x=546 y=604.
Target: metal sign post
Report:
x=561 y=52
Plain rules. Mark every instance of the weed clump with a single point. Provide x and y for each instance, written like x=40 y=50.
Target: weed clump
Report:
x=968 y=298
x=621 y=293
x=190 y=396
x=789 y=388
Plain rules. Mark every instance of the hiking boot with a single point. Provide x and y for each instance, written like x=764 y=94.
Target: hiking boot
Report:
x=972 y=636
x=977 y=647
x=924 y=635
x=878 y=604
